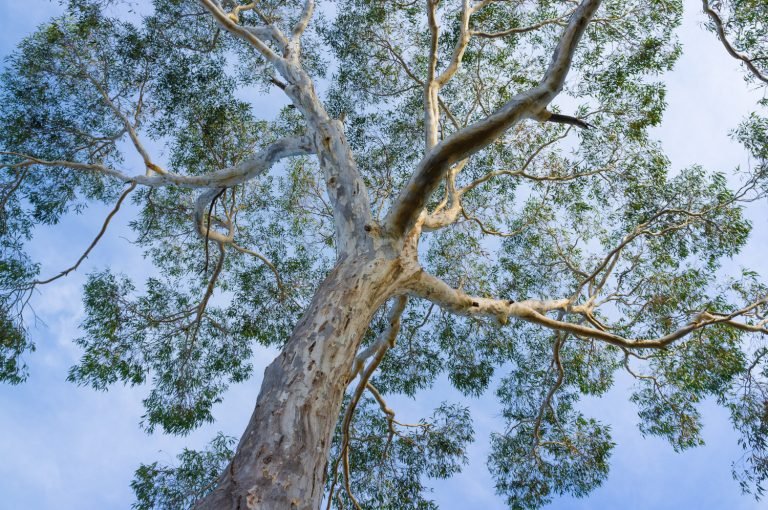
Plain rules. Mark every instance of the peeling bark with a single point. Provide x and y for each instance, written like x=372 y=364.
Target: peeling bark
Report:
x=280 y=462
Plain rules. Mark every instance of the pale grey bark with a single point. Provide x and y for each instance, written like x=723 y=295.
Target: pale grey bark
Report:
x=435 y=290
x=281 y=459
x=227 y=177
x=280 y=462
x=471 y=139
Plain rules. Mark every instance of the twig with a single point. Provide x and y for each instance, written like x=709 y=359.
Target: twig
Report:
x=94 y=242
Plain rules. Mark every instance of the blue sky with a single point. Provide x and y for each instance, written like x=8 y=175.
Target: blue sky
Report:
x=66 y=447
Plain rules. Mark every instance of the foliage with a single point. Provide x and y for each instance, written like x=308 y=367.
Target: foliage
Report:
x=388 y=470
x=597 y=216
x=158 y=486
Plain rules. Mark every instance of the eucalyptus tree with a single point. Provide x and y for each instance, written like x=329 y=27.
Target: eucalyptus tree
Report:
x=461 y=190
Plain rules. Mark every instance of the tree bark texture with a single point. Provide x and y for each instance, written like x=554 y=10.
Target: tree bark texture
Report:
x=280 y=462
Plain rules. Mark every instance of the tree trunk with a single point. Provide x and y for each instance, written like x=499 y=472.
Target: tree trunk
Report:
x=281 y=459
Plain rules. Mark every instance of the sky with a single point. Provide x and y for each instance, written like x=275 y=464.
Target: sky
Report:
x=66 y=447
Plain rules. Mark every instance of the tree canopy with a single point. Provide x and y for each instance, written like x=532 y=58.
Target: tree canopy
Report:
x=499 y=151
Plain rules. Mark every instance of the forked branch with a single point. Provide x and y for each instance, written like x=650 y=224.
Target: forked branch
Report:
x=471 y=139
x=433 y=289
x=231 y=23
x=225 y=178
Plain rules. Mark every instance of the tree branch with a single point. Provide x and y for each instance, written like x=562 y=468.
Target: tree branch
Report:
x=94 y=242
x=477 y=136
x=566 y=119
x=461 y=46
x=231 y=23
x=301 y=25
x=228 y=177
x=443 y=216
x=344 y=185
x=718 y=22
x=385 y=341
x=437 y=291
x=522 y=30
x=267 y=263
x=204 y=204
x=431 y=88
x=547 y=403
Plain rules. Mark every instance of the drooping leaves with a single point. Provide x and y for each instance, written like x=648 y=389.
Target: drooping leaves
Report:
x=163 y=487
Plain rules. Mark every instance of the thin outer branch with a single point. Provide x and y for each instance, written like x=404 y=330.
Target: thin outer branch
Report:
x=95 y=240
x=194 y=327
x=522 y=169
x=718 y=22
x=559 y=341
x=654 y=343
x=640 y=231
x=488 y=231
x=129 y=127
x=522 y=30
x=209 y=288
x=266 y=262
x=10 y=190
x=385 y=341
